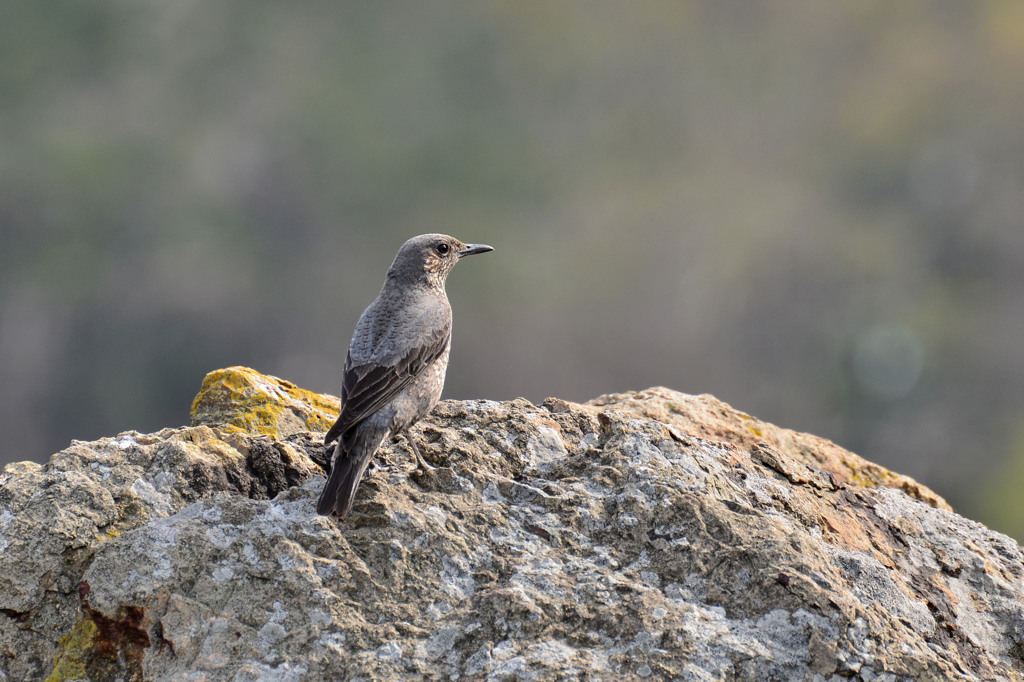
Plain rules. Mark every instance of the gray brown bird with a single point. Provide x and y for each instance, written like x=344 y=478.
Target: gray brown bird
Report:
x=396 y=362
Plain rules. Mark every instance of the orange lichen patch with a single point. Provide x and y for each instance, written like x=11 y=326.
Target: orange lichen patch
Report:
x=243 y=399
x=706 y=417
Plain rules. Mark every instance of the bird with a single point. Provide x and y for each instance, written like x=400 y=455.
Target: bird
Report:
x=396 y=363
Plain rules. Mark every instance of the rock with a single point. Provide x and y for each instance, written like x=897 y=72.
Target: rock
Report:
x=242 y=399
x=641 y=535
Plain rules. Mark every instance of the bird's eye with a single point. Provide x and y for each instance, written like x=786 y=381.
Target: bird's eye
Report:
x=443 y=249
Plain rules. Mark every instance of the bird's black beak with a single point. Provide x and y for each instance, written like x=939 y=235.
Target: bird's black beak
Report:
x=475 y=248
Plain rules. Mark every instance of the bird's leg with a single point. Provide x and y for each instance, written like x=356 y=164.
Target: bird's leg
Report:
x=422 y=463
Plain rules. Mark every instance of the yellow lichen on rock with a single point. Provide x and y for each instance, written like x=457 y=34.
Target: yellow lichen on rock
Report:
x=74 y=649
x=241 y=398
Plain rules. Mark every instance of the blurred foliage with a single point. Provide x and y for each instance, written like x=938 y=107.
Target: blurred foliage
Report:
x=999 y=499
x=813 y=212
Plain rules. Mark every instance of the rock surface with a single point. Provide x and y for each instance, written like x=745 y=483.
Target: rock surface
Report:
x=642 y=535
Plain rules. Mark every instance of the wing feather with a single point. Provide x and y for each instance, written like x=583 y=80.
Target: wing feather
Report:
x=368 y=387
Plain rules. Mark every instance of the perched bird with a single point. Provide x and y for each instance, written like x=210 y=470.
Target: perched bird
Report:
x=396 y=362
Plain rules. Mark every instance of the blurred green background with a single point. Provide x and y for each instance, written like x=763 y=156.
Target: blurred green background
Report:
x=814 y=211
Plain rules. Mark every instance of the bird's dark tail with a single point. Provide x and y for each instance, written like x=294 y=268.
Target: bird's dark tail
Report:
x=347 y=471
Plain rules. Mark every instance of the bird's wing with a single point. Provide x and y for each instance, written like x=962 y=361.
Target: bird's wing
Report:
x=368 y=387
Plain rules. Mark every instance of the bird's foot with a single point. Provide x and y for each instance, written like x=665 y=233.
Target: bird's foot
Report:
x=422 y=464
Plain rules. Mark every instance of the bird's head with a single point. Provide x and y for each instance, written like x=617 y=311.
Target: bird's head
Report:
x=430 y=257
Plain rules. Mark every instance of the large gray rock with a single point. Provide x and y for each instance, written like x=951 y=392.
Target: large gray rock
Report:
x=649 y=534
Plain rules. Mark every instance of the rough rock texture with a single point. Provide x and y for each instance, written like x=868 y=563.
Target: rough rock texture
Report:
x=242 y=399
x=650 y=534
